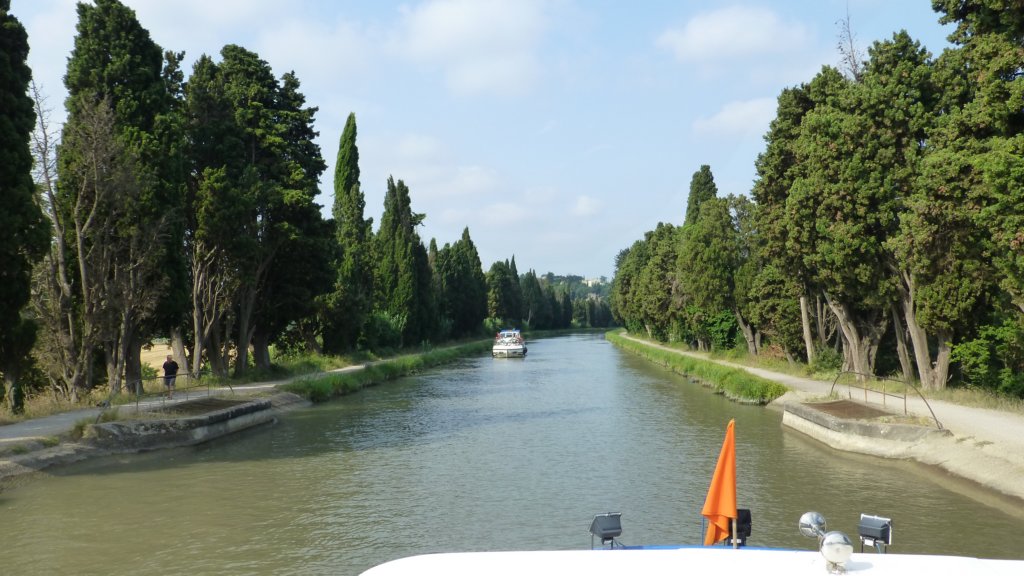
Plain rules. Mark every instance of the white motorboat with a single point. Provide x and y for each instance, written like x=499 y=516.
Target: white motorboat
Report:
x=509 y=344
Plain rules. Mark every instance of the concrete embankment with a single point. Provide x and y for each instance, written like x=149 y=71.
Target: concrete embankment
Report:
x=183 y=424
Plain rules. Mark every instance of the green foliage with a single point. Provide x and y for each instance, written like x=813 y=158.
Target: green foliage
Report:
x=702 y=189
x=536 y=308
x=980 y=17
x=350 y=303
x=994 y=359
x=708 y=261
x=735 y=383
x=384 y=330
x=826 y=361
x=23 y=233
x=402 y=278
x=461 y=287
x=775 y=307
x=504 y=294
x=254 y=224
x=657 y=283
x=721 y=329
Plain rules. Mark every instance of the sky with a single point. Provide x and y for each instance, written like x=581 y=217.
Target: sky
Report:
x=557 y=131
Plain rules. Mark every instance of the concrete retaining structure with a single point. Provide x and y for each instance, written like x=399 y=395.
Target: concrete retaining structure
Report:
x=181 y=431
x=883 y=439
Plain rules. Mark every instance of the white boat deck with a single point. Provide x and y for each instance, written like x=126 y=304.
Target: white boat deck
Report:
x=720 y=561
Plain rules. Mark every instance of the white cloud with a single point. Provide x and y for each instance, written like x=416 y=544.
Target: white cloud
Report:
x=473 y=180
x=342 y=49
x=586 y=206
x=215 y=14
x=504 y=214
x=733 y=33
x=419 y=147
x=738 y=118
x=481 y=45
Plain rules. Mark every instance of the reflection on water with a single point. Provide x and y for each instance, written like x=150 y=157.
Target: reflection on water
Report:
x=481 y=455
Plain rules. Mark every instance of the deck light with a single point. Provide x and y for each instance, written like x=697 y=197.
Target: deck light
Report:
x=607 y=527
x=744 y=524
x=875 y=531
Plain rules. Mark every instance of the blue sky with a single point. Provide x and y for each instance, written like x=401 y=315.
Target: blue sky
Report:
x=558 y=131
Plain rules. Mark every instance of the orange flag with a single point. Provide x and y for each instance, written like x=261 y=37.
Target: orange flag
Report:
x=720 y=504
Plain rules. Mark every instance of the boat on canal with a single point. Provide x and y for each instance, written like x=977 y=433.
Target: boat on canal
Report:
x=509 y=343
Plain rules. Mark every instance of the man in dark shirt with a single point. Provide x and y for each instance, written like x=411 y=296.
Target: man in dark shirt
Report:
x=170 y=374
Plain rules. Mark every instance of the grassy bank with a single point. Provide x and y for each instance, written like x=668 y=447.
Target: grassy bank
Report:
x=733 y=382
x=323 y=387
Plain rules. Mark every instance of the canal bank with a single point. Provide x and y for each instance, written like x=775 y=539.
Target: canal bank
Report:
x=31 y=447
x=981 y=445
x=203 y=414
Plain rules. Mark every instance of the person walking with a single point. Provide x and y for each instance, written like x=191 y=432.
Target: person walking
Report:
x=170 y=375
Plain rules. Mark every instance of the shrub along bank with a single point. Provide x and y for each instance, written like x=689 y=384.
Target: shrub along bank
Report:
x=323 y=387
x=736 y=384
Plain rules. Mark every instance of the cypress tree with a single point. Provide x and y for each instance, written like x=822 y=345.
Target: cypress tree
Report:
x=702 y=189
x=402 y=275
x=23 y=234
x=349 y=305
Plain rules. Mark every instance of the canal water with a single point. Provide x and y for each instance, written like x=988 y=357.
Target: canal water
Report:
x=483 y=454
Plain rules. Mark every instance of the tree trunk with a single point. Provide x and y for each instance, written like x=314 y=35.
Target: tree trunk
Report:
x=246 y=328
x=901 y=347
x=861 y=341
x=11 y=391
x=821 y=312
x=178 y=350
x=748 y=333
x=261 y=350
x=933 y=375
x=133 y=364
x=111 y=357
x=214 y=355
x=805 y=321
x=943 y=351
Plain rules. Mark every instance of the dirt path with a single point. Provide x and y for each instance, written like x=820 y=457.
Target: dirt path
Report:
x=985 y=446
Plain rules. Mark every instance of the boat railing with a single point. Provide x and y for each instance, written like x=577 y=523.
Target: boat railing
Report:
x=883 y=392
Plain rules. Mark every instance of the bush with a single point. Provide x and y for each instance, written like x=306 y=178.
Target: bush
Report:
x=826 y=361
x=994 y=359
